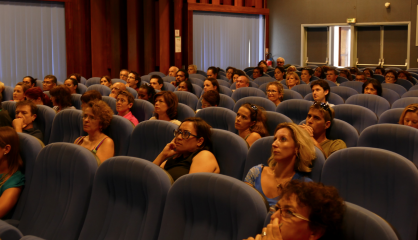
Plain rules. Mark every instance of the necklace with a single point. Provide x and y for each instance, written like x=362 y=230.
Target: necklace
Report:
x=279 y=185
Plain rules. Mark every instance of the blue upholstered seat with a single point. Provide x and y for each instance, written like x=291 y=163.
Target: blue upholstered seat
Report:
x=358 y=86
x=403 y=102
x=187 y=98
x=217 y=117
x=273 y=119
x=390 y=95
x=333 y=98
x=295 y=109
x=259 y=101
x=302 y=89
x=410 y=93
x=44 y=120
x=391 y=116
x=111 y=102
x=142 y=110
x=357 y=116
x=343 y=92
x=92 y=81
x=67 y=126
x=157 y=73
x=373 y=102
x=104 y=90
x=247 y=92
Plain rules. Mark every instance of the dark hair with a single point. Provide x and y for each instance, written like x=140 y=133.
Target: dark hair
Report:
x=347 y=73
x=376 y=85
x=77 y=77
x=230 y=68
x=52 y=77
x=137 y=77
x=322 y=72
x=32 y=80
x=214 y=83
x=158 y=77
x=212 y=97
x=393 y=72
x=108 y=79
x=281 y=69
x=75 y=83
x=354 y=70
x=35 y=93
x=310 y=72
x=324 y=85
x=101 y=110
x=188 y=85
x=259 y=117
x=215 y=70
x=407 y=75
x=203 y=130
x=24 y=86
x=62 y=96
x=326 y=206
x=370 y=71
x=33 y=107
x=172 y=102
x=333 y=69
x=150 y=92
x=90 y=96
x=362 y=74
x=128 y=95
x=186 y=74
x=328 y=114
x=381 y=69
x=260 y=70
x=8 y=136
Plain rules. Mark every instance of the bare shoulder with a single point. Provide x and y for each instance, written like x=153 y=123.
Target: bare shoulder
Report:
x=204 y=154
x=108 y=141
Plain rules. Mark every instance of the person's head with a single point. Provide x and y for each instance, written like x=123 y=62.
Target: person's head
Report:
x=306 y=75
x=368 y=72
x=116 y=88
x=345 y=74
x=293 y=144
x=279 y=73
x=372 y=86
x=242 y=81
x=292 y=79
x=193 y=134
x=252 y=117
x=280 y=62
x=134 y=80
x=212 y=72
x=75 y=76
x=192 y=69
x=181 y=75
x=405 y=75
x=320 y=117
x=320 y=90
x=291 y=69
x=211 y=84
x=391 y=76
x=27 y=111
x=361 y=77
x=229 y=72
x=19 y=91
x=332 y=75
x=309 y=210
x=92 y=95
x=96 y=116
x=156 y=82
x=165 y=102
x=146 y=92
x=237 y=73
x=263 y=65
x=319 y=73
x=186 y=86
x=37 y=96
x=71 y=84
x=9 y=149
x=1 y=87
x=124 y=102
x=61 y=97
x=275 y=92
x=49 y=82
x=172 y=71
x=354 y=70
x=257 y=72
x=379 y=70
x=106 y=81
x=124 y=74
x=210 y=98
x=30 y=81
x=409 y=116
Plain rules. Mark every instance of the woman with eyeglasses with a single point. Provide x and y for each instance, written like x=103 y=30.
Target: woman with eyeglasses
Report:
x=96 y=117
x=391 y=76
x=251 y=123
x=291 y=158
x=189 y=151
x=275 y=92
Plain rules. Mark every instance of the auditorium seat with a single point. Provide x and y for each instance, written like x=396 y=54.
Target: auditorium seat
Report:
x=120 y=131
x=379 y=78
x=7 y=93
x=381 y=181
x=395 y=87
x=168 y=87
x=391 y=116
x=295 y=109
x=81 y=88
x=331 y=83
x=59 y=193
x=157 y=73
x=264 y=86
x=196 y=81
x=247 y=92
x=40 y=84
x=115 y=80
x=203 y=73
x=111 y=102
x=184 y=111
x=343 y=92
x=169 y=79
x=127 y=200
x=260 y=152
x=224 y=90
x=145 y=78
x=104 y=90
x=403 y=102
x=44 y=120
x=133 y=92
x=225 y=102
x=302 y=89
x=259 y=101
x=341 y=79
x=273 y=119
x=76 y=101
x=357 y=116
x=83 y=80
x=198 y=76
x=390 y=95
x=373 y=102
x=142 y=110
x=67 y=126
x=333 y=98
x=410 y=93
x=187 y=98
x=10 y=106
x=262 y=80
x=201 y=206
x=358 y=86
x=290 y=94
x=404 y=83
x=197 y=90
x=218 y=117
x=92 y=81
x=223 y=83
x=414 y=88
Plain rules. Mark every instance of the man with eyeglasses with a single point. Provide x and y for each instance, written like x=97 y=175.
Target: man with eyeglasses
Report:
x=123 y=74
x=280 y=62
x=361 y=77
x=306 y=211
x=50 y=81
x=116 y=88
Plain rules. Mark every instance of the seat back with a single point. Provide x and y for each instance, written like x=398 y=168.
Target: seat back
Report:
x=414 y=88
x=187 y=98
x=44 y=121
x=7 y=93
x=132 y=91
x=377 y=180
x=373 y=102
x=302 y=89
x=259 y=101
x=225 y=90
x=169 y=79
x=76 y=101
x=197 y=90
x=343 y=92
x=81 y=88
x=390 y=95
x=344 y=131
x=145 y=78
x=111 y=102
x=331 y=83
x=247 y=92
x=404 y=102
x=295 y=109
x=341 y=79
x=220 y=118
x=333 y=98
x=379 y=77
x=262 y=80
x=273 y=119
x=391 y=116
x=104 y=90
x=395 y=87
x=10 y=106
x=410 y=93
x=92 y=81
x=142 y=110
x=120 y=131
x=83 y=80
x=157 y=73
x=404 y=83
x=63 y=173
x=184 y=111
x=196 y=81
x=198 y=76
x=40 y=84
x=357 y=116
x=199 y=204
x=67 y=126
x=223 y=83
x=290 y=94
x=150 y=137
x=168 y=87
x=358 y=86
x=126 y=190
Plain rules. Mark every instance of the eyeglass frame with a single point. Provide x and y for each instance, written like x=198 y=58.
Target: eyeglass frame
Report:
x=178 y=131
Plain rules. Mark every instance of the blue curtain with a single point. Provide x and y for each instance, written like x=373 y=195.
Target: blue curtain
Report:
x=32 y=41
x=226 y=39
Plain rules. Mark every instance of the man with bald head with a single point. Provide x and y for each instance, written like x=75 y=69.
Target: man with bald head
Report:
x=172 y=71
x=116 y=88
x=123 y=74
x=242 y=81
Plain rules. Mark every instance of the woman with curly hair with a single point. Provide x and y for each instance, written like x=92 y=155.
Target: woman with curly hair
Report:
x=251 y=123
x=96 y=117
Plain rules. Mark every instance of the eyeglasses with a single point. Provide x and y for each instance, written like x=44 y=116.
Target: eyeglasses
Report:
x=184 y=134
x=324 y=106
x=271 y=91
x=286 y=213
x=85 y=116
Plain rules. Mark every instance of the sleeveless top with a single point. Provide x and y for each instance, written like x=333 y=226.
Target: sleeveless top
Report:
x=248 y=145
x=79 y=141
x=180 y=166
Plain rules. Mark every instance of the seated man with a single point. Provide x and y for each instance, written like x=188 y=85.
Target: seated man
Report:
x=210 y=98
x=280 y=62
x=361 y=77
x=157 y=83
x=123 y=74
x=319 y=119
x=90 y=96
x=172 y=71
x=50 y=81
x=332 y=75
x=306 y=211
x=242 y=81
x=257 y=72
x=181 y=76
x=124 y=103
x=29 y=81
x=116 y=88
x=133 y=81
x=25 y=115
x=321 y=91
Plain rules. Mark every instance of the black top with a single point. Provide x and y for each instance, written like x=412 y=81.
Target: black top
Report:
x=35 y=132
x=5 y=120
x=180 y=166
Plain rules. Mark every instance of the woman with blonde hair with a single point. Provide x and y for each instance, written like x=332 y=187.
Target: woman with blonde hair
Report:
x=251 y=123
x=275 y=92
x=409 y=116
x=292 y=79
x=291 y=158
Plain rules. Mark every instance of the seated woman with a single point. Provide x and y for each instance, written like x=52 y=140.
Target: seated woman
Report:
x=346 y=74
x=279 y=73
x=96 y=117
x=292 y=79
x=165 y=107
x=186 y=86
x=146 y=92
x=90 y=96
x=192 y=69
x=409 y=116
x=61 y=98
x=406 y=75
x=251 y=123
x=37 y=96
x=292 y=154
x=236 y=75
x=368 y=72
x=379 y=70
x=19 y=92
x=391 y=76
x=211 y=84
x=263 y=65
x=212 y=72
x=11 y=179
x=190 y=150
x=76 y=76
x=275 y=92
x=124 y=103
x=71 y=84
x=210 y=98
x=354 y=70
x=372 y=86
x=229 y=73
x=306 y=75
x=319 y=73
x=106 y=81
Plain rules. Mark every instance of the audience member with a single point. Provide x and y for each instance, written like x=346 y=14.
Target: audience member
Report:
x=124 y=103
x=25 y=115
x=354 y=70
x=372 y=86
x=5 y=119
x=37 y=96
x=124 y=74
x=133 y=81
x=291 y=158
x=332 y=75
x=61 y=98
x=319 y=73
x=192 y=69
x=11 y=178
x=391 y=76
x=96 y=118
x=279 y=73
x=319 y=119
x=49 y=82
x=210 y=98
x=181 y=75
x=212 y=72
x=280 y=62
x=346 y=74
x=106 y=81
x=190 y=151
x=211 y=84
x=379 y=70
x=29 y=81
x=257 y=72
x=76 y=77
x=242 y=81
x=71 y=84
x=92 y=95
x=157 y=83
x=229 y=72
x=275 y=92
x=406 y=75
x=409 y=116
x=186 y=86
x=236 y=75
x=165 y=107
x=292 y=79
x=19 y=92
x=251 y=123
x=263 y=65
x=291 y=69
x=321 y=91
x=361 y=77
x=146 y=92
x=116 y=88
x=172 y=71
x=1 y=87
x=306 y=211
x=306 y=75
x=368 y=72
